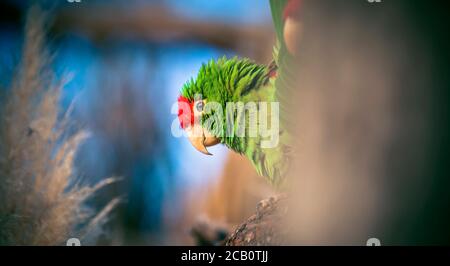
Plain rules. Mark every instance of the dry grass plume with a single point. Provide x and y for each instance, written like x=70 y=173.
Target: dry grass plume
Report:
x=41 y=200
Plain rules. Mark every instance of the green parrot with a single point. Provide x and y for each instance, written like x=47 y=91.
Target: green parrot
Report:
x=204 y=103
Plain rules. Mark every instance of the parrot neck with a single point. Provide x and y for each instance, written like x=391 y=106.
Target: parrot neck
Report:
x=247 y=95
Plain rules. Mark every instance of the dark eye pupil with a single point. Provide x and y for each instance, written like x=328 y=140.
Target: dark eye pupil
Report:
x=199 y=106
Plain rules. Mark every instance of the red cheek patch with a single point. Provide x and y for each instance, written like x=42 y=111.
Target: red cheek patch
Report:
x=185 y=112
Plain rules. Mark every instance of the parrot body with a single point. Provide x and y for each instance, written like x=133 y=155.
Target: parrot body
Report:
x=242 y=81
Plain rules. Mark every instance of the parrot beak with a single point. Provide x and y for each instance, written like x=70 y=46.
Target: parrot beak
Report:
x=201 y=138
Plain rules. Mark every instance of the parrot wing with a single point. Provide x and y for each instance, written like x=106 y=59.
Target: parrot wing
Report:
x=285 y=82
x=274 y=163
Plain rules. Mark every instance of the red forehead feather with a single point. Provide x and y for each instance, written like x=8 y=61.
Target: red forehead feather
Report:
x=185 y=112
x=292 y=9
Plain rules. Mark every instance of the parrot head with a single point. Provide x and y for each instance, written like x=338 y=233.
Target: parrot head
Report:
x=217 y=82
x=190 y=114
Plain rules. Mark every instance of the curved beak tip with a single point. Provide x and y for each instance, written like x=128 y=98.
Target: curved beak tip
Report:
x=197 y=143
x=200 y=143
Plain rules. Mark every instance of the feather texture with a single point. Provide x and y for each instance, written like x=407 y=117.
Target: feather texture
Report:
x=241 y=82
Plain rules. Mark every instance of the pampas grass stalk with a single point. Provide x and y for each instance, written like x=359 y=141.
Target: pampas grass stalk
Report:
x=41 y=200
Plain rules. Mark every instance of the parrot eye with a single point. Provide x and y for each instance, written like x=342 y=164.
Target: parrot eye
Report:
x=199 y=106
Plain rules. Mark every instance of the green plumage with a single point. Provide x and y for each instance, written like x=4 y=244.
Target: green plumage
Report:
x=226 y=80
x=243 y=81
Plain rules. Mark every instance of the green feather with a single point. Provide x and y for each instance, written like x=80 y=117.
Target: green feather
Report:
x=241 y=80
x=277 y=6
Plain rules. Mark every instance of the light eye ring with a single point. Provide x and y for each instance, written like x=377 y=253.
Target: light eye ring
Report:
x=199 y=106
